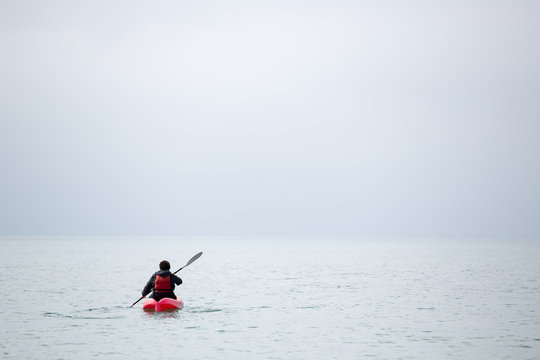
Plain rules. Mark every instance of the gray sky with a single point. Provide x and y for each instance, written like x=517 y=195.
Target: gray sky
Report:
x=366 y=118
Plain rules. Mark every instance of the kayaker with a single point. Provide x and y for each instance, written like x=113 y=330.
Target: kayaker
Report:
x=162 y=282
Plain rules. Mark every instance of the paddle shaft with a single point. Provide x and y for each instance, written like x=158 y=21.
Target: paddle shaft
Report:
x=189 y=262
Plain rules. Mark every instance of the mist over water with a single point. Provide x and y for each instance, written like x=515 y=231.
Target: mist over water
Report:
x=272 y=298
x=270 y=118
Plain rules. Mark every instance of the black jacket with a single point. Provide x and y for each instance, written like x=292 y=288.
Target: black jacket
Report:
x=150 y=284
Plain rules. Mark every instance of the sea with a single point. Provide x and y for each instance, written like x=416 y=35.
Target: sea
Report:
x=272 y=298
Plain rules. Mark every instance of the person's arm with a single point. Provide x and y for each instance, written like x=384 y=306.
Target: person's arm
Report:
x=177 y=280
x=149 y=286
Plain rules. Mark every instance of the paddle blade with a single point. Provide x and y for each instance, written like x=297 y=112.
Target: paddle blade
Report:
x=193 y=258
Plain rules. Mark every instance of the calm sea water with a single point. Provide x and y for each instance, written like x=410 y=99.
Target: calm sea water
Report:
x=66 y=298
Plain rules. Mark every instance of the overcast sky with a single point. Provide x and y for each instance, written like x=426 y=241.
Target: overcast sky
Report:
x=297 y=117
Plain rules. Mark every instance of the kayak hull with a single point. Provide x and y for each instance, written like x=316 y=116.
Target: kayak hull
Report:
x=165 y=304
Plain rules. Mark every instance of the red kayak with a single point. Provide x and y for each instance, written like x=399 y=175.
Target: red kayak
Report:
x=165 y=304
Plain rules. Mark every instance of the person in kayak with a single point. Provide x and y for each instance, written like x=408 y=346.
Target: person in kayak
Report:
x=162 y=282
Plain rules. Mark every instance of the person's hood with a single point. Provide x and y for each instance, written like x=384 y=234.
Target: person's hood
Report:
x=163 y=273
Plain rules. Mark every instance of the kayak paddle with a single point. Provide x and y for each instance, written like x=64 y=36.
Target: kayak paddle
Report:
x=189 y=262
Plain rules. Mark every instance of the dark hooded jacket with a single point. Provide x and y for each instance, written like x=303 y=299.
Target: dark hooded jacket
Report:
x=175 y=280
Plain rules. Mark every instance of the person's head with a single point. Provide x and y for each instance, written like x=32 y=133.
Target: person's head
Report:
x=164 y=265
